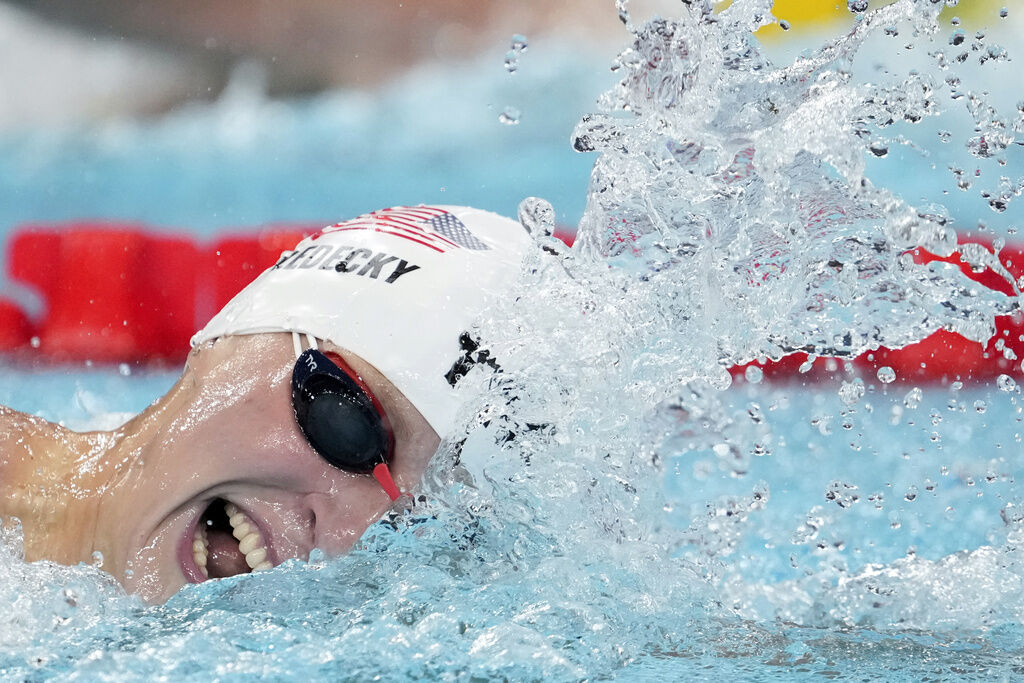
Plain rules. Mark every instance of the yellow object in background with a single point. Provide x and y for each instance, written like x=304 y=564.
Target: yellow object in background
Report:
x=831 y=16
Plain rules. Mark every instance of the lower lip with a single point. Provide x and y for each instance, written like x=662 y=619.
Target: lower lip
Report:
x=186 y=558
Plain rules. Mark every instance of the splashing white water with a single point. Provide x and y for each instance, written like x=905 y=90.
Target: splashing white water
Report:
x=729 y=219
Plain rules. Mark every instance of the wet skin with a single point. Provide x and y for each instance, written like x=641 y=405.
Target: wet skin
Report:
x=225 y=431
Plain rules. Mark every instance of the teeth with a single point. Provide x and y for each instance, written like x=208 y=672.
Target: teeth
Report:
x=256 y=557
x=199 y=550
x=243 y=530
x=250 y=542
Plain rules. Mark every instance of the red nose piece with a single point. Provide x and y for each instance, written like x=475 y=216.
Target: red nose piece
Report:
x=383 y=476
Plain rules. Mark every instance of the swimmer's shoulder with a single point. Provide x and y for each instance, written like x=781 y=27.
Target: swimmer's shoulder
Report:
x=23 y=435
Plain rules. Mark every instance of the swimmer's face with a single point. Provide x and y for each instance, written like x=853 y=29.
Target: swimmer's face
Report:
x=221 y=456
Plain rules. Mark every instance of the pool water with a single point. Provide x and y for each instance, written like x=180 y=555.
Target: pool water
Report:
x=667 y=521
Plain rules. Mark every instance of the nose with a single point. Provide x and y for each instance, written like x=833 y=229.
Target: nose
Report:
x=343 y=513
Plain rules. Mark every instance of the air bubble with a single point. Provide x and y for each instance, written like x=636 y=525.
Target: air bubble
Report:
x=97 y=559
x=886 y=375
x=124 y=369
x=753 y=374
x=1006 y=383
x=1003 y=13
x=857 y=6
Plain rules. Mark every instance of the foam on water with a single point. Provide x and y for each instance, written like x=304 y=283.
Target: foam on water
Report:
x=615 y=506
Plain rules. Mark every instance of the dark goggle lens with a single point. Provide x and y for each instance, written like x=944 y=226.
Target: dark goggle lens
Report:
x=336 y=416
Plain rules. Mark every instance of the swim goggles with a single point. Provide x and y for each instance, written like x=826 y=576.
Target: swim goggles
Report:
x=339 y=416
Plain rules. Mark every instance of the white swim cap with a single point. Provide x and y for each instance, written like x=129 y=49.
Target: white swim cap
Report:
x=397 y=287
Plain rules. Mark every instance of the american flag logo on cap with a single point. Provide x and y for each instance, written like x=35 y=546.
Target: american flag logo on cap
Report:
x=431 y=227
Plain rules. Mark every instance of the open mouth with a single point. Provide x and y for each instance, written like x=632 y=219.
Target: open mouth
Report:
x=228 y=542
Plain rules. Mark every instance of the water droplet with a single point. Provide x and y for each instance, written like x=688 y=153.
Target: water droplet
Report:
x=537 y=216
x=509 y=116
x=913 y=398
x=753 y=374
x=622 y=6
x=1013 y=515
x=518 y=47
x=783 y=24
x=34 y=341
x=857 y=6
x=1006 y=383
x=886 y=375
x=842 y=494
x=911 y=494
x=1003 y=13
x=806 y=366
x=852 y=391
x=97 y=559
x=980 y=406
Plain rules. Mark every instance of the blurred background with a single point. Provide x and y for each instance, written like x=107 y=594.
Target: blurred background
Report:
x=201 y=115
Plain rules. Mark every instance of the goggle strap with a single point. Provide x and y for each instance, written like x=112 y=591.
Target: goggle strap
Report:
x=297 y=343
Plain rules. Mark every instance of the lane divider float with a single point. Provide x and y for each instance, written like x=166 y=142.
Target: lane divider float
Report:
x=120 y=292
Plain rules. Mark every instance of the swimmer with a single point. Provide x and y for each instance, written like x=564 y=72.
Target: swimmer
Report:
x=305 y=407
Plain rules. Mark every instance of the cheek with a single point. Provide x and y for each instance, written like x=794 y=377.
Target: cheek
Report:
x=411 y=461
x=153 y=572
x=248 y=444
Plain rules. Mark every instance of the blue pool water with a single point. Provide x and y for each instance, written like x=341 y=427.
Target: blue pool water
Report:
x=666 y=526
